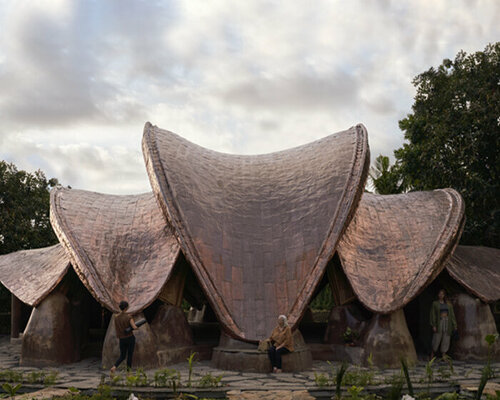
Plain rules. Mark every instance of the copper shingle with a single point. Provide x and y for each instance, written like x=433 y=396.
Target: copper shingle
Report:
x=478 y=270
x=119 y=245
x=397 y=244
x=258 y=230
x=32 y=274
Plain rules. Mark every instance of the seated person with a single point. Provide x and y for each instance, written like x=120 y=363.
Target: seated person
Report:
x=281 y=343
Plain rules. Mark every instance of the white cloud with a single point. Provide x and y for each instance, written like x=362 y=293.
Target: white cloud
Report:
x=78 y=79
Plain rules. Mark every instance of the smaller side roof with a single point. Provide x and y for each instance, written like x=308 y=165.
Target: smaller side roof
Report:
x=32 y=274
x=397 y=244
x=477 y=269
x=119 y=246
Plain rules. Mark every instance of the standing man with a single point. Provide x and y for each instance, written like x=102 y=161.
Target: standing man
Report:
x=123 y=320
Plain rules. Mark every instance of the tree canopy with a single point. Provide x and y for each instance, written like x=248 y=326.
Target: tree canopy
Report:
x=24 y=214
x=453 y=138
x=24 y=209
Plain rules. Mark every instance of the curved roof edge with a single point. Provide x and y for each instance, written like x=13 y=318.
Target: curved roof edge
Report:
x=444 y=245
x=31 y=275
x=351 y=194
x=104 y=235
x=477 y=269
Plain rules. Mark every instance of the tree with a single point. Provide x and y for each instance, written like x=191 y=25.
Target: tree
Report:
x=24 y=213
x=385 y=178
x=453 y=136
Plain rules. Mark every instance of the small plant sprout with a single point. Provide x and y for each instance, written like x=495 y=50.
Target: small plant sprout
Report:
x=191 y=361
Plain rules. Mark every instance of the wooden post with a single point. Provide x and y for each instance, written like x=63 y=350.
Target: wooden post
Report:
x=15 y=317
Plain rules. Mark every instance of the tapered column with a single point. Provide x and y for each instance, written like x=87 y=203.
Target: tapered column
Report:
x=15 y=317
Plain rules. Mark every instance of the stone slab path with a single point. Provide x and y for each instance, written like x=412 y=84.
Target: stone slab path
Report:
x=87 y=374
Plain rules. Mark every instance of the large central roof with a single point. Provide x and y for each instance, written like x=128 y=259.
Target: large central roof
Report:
x=258 y=230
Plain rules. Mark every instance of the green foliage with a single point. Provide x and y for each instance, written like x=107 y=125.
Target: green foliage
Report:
x=50 y=378
x=404 y=367
x=210 y=381
x=358 y=377
x=453 y=138
x=321 y=380
x=396 y=381
x=354 y=392
x=9 y=375
x=324 y=299
x=339 y=376
x=191 y=361
x=495 y=397
x=24 y=214
x=448 y=396
x=350 y=335
x=167 y=378
x=386 y=179
x=11 y=390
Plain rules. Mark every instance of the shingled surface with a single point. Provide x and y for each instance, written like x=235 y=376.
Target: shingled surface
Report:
x=397 y=244
x=477 y=268
x=119 y=245
x=258 y=230
x=32 y=274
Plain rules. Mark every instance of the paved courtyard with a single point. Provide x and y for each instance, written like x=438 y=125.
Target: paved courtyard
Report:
x=87 y=374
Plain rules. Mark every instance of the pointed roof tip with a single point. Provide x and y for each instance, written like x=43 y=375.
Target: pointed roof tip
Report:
x=413 y=235
x=217 y=202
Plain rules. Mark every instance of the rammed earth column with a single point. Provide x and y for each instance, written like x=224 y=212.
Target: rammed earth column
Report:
x=15 y=317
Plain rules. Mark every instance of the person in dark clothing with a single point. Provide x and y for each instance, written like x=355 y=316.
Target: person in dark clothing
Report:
x=123 y=320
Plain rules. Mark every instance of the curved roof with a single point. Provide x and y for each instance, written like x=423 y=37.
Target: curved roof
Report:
x=397 y=244
x=478 y=270
x=258 y=230
x=32 y=274
x=119 y=245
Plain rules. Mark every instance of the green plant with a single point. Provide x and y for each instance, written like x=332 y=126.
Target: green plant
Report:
x=321 y=380
x=448 y=396
x=167 y=378
x=50 y=378
x=142 y=378
x=191 y=361
x=429 y=373
x=354 y=392
x=487 y=372
x=404 y=367
x=211 y=381
x=350 y=335
x=339 y=376
x=396 y=381
x=34 y=377
x=11 y=390
x=495 y=397
x=10 y=375
x=358 y=377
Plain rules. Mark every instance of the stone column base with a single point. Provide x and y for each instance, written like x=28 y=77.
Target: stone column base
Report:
x=236 y=355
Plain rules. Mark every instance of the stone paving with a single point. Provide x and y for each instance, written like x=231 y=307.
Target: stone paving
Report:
x=87 y=374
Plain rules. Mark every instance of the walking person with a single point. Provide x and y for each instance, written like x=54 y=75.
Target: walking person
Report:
x=281 y=343
x=443 y=322
x=123 y=320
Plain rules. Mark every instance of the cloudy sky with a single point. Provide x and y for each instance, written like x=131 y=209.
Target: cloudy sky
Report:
x=78 y=79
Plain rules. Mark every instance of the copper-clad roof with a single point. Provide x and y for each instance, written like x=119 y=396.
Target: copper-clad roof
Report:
x=478 y=270
x=258 y=230
x=397 y=244
x=119 y=245
x=32 y=274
